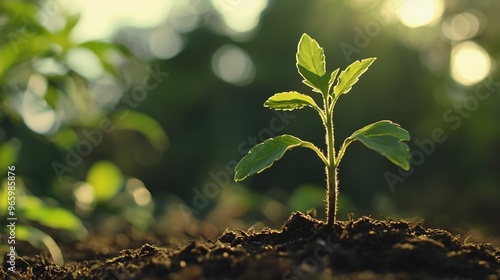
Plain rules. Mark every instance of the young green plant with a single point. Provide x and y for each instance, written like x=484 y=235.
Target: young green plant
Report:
x=385 y=137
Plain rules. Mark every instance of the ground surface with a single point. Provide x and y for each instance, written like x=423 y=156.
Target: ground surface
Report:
x=304 y=248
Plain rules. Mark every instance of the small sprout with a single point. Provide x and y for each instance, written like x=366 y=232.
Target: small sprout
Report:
x=384 y=137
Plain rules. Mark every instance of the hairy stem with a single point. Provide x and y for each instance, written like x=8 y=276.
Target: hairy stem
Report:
x=331 y=167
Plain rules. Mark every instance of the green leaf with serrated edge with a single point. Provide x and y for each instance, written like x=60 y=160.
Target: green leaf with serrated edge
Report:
x=318 y=84
x=332 y=78
x=385 y=137
x=351 y=74
x=263 y=155
x=290 y=100
x=311 y=64
x=384 y=127
x=311 y=56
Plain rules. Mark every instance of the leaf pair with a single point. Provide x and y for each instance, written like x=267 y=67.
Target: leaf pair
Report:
x=311 y=65
x=384 y=137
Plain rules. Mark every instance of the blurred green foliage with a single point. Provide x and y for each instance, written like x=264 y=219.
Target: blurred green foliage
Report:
x=106 y=180
x=52 y=117
x=211 y=122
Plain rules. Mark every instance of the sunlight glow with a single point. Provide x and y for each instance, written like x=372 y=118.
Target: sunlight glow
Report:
x=100 y=19
x=233 y=65
x=240 y=15
x=36 y=113
x=416 y=13
x=470 y=63
x=85 y=62
x=184 y=17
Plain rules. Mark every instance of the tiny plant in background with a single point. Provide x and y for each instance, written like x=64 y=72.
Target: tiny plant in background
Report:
x=385 y=137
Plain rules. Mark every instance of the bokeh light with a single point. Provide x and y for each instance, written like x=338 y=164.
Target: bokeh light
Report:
x=49 y=66
x=137 y=189
x=470 y=63
x=233 y=65
x=85 y=62
x=37 y=114
x=101 y=19
x=184 y=16
x=106 y=91
x=462 y=26
x=416 y=13
x=240 y=16
x=165 y=43
x=84 y=196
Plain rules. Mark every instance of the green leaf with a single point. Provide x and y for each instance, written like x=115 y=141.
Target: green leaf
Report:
x=8 y=155
x=332 y=78
x=4 y=195
x=106 y=179
x=263 y=155
x=351 y=74
x=103 y=48
x=144 y=124
x=71 y=22
x=40 y=240
x=8 y=57
x=384 y=127
x=52 y=96
x=64 y=138
x=311 y=64
x=54 y=217
x=290 y=101
x=385 y=137
x=21 y=9
x=32 y=208
x=106 y=52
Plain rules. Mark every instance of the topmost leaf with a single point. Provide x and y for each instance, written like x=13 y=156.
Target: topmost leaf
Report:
x=351 y=74
x=311 y=56
x=311 y=64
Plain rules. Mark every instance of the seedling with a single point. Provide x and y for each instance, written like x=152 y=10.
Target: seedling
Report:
x=385 y=137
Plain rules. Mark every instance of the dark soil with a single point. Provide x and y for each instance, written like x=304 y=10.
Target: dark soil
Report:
x=304 y=248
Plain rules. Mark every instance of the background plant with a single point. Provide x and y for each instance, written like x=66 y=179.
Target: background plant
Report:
x=48 y=96
x=385 y=137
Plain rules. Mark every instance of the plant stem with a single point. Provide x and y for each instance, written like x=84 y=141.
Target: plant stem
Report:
x=331 y=168
x=332 y=197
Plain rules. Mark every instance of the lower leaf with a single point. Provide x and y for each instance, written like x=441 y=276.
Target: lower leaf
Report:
x=390 y=147
x=263 y=155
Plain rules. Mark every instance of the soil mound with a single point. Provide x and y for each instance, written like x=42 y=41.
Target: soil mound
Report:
x=304 y=248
